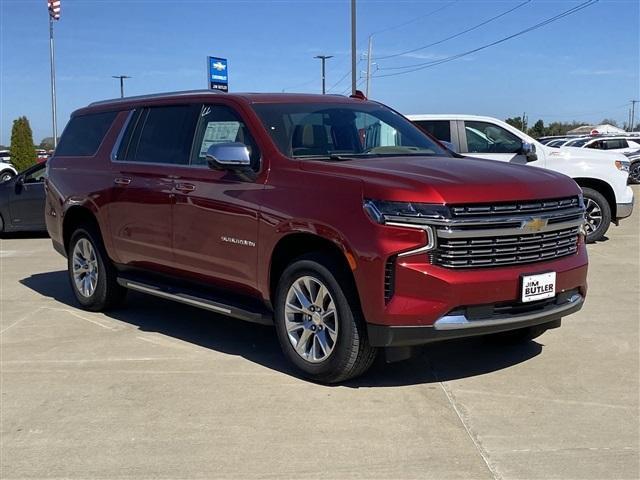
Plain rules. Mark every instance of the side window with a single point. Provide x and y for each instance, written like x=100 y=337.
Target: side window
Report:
x=84 y=134
x=485 y=137
x=160 y=135
x=598 y=145
x=36 y=176
x=220 y=124
x=441 y=129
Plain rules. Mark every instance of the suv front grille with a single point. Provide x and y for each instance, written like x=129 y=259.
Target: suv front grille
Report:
x=511 y=250
x=508 y=234
x=528 y=208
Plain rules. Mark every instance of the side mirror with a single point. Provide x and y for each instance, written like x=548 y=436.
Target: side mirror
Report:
x=529 y=151
x=228 y=156
x=19 y=183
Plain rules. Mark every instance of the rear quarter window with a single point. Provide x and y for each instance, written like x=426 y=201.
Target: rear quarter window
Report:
x=84 y=134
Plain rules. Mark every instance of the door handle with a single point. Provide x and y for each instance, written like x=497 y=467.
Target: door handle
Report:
x=184 y=187
x=122 y=181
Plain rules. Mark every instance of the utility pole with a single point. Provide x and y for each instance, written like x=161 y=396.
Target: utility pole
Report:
x=369 y=49
x=53 y=84
x=323 y=59
x=633 y=114
x=353 y=47
x=121 y=77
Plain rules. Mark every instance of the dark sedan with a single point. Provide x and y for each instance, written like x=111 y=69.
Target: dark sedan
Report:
x=22 y=201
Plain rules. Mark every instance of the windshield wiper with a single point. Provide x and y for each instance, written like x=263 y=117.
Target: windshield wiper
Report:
x=332 y=157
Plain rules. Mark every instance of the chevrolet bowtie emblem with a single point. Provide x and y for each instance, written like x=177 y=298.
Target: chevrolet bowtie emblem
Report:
x=534 y=224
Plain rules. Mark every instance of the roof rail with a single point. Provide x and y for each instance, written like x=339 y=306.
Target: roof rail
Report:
x=155 y=95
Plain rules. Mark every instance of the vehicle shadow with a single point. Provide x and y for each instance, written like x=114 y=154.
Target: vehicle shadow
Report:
x=20 y=235
x=258 y=343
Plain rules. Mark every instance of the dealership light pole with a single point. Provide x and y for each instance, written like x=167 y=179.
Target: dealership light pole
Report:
x=633 y=114
x=323 y=59
x=121 y=77
x=54 y=14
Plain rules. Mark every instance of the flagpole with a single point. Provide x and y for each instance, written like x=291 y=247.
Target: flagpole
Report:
x=53 y=84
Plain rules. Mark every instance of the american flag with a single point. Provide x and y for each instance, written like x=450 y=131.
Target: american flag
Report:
x=54 y=9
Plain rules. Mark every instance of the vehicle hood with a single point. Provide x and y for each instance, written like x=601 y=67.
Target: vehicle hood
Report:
x=448 y=180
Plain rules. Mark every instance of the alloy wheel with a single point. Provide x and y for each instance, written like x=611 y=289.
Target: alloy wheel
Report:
x=311 y=319
x=634 y=172
x=85 y=267
x=593 y=216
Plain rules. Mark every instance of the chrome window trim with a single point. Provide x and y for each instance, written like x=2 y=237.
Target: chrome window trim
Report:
x=116 y=145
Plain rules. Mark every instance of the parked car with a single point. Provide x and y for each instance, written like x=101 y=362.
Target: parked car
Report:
x=41 y=155
x=616 y=144
x=333 y=218
x=601 y=175
x=634 y=168
x=7 y=170
x=22 y=201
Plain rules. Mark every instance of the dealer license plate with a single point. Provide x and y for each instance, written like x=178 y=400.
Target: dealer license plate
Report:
x=538 y=287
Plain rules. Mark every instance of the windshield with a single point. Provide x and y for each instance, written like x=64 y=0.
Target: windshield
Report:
x=341 y=131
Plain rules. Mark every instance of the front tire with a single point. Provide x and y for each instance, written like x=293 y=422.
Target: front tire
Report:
x=6 y=175
x=598 y=214
x=92 y=276
x=634 y=173
x=318 y=320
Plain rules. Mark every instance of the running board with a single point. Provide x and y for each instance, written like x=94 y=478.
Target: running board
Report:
x=197 y=299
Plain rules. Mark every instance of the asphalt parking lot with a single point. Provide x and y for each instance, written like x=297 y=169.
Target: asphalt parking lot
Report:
x=160 y=390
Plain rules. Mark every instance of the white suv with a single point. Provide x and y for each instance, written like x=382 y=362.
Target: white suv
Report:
x=601 y=175
x=7 y=170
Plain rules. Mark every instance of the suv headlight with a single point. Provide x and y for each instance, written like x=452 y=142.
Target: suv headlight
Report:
x=382 y=211
x=408 y=215
x=623 y=165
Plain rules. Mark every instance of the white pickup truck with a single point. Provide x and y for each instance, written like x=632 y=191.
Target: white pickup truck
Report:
x=7 y=170
x=601 y=175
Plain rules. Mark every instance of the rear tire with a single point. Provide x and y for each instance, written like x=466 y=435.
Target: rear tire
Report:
x=598 y=214
x=325 y=347
x=92 y=276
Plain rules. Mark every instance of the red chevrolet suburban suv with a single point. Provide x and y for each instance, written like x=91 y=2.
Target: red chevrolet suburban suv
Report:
x=333 y=218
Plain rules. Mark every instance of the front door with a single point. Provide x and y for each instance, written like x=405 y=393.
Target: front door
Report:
x=26 y=201
x=490 y=141
x=215 y=232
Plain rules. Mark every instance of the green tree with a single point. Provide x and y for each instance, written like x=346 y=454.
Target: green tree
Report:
x=537 y=130
x=23 y=153
x=608 y=121
x=516 y=122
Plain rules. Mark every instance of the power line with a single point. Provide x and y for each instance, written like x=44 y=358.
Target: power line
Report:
x=377 y=32
x=413 y=20
x=457 y=34
x=421 y=66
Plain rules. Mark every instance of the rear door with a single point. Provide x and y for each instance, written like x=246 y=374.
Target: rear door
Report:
x=26 y=201
x=215 y=233
x=444 y=130
x=153 y=148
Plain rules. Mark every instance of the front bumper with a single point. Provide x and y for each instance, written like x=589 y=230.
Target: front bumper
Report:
x=459 y=324
x=624 y=206
x=624 y=210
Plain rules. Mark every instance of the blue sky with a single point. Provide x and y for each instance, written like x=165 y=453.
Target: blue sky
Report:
x=583 y=67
